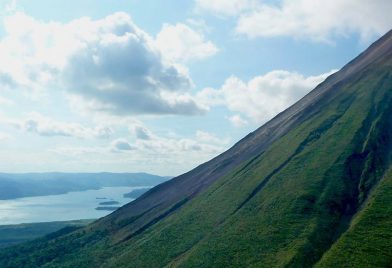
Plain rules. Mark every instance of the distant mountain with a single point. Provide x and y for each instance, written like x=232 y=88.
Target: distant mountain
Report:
x=312 y=187
x=39 y=184
x=136 y=193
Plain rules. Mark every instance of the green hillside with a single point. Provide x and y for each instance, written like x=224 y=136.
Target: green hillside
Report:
x=19 y=233
x=319 y=195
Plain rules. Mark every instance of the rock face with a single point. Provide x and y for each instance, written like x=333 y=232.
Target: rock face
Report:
x=299 y=191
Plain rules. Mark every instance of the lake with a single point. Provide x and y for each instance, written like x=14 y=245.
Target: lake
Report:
x=64 y=207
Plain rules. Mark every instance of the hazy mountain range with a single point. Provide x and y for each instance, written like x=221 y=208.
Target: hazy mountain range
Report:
x=38 y=184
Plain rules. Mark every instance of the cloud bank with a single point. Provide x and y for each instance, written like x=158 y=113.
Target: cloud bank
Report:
x=47 y=127
x=180 y=43
x=316 y=20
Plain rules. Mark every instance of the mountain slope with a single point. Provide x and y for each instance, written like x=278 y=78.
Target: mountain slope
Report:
x=368 y=241
x=299 y=191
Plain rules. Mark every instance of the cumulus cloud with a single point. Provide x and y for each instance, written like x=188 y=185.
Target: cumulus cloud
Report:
x=162 y=146
x=4 y=136
x=203 y=142
x=306 y=19
x=11 y=6
x=224 y=7
x=155 y=155
x=154 y=146
x=149 y=145
x=181 y=43
x=263 y=96
x=110 y=63
x=6 y=81
x=141 y=132
x=45 y=126
x=122 y=145
x=5 y=101
x=238 y=121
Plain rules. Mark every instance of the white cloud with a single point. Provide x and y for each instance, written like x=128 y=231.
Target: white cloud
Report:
x=4 y=101
x=11 y=6
x=199 y=24
x=45 y=126
x=141 y=132
x=206 y=137
x=111 y=64
x=120 y=145
x=263 y=96
x=160 y=154
x=4 y=136
x=148 y=144
x=316 y=20
x=173 y=147
x=203 y=142
x=238 y=121
x=224 y=7
x=180 y=43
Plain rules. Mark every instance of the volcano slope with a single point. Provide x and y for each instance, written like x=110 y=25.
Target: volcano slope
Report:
x=312 y=187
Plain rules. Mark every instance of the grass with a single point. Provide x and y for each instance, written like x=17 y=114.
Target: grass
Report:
x=368 y=241
x=19 y=233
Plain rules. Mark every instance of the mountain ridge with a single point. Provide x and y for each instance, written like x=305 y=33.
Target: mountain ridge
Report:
x=265 y=130
x=298 y=192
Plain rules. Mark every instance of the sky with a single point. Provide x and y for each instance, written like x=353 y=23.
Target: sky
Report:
x=161 y=86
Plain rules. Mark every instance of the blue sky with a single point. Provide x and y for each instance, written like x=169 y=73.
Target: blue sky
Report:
x=161 y=86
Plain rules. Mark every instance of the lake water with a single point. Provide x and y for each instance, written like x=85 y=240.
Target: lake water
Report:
x=70 y=206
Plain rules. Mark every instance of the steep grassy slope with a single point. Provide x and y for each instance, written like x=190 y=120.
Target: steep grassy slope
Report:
x=306 y=198
x=20 y=233
x=287 y=206
x=368 y=241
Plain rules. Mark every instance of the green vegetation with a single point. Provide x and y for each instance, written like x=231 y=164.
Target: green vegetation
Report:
x=19 y=233
x=368 y=241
